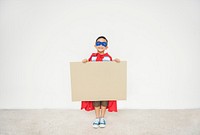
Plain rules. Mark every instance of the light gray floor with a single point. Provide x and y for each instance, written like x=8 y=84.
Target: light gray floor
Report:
x=77 y=122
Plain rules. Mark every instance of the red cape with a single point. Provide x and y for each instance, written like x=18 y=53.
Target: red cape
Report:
x=88 y=106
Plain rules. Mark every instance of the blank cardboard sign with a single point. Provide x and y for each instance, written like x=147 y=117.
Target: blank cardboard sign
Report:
x=93 y=81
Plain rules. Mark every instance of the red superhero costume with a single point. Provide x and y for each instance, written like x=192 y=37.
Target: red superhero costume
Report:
x=112 y=104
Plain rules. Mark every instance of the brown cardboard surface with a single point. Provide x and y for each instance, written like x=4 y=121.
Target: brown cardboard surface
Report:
x=93 y=81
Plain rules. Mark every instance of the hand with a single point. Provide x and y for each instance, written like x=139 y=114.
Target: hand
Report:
x=84 y=60
x=117 y=60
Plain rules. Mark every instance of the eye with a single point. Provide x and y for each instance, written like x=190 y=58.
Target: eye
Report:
x=98 y=43
x=104 y=43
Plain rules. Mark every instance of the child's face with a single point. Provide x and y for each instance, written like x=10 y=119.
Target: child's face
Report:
x=101 y=48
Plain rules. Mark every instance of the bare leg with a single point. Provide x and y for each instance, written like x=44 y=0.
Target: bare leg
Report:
x=103 y=111
x=97 y=111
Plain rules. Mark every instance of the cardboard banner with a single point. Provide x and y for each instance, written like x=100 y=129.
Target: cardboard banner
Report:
x=97 y=81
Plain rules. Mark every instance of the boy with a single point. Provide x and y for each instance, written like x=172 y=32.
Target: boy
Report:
x=100 y=106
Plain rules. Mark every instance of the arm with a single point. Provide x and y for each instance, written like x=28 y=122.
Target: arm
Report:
x=84 y=60
x=117 y=60
x=87 y=60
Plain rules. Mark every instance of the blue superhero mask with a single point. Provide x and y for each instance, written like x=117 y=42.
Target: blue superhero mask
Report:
x=101 y=43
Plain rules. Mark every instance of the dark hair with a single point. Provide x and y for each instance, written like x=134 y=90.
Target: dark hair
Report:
x=103 y=38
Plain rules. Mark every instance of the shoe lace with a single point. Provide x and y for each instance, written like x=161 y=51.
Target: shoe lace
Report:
x=96 y=121
x=103 y=121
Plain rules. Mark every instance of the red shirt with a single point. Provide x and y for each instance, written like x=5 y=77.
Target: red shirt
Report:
x=112 y=104
x=100 y=57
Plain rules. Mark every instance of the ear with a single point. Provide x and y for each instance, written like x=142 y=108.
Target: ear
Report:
x=106 y=47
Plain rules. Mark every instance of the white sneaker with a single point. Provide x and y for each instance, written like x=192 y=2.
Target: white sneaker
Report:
x=96 y=123
x=102 y=123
